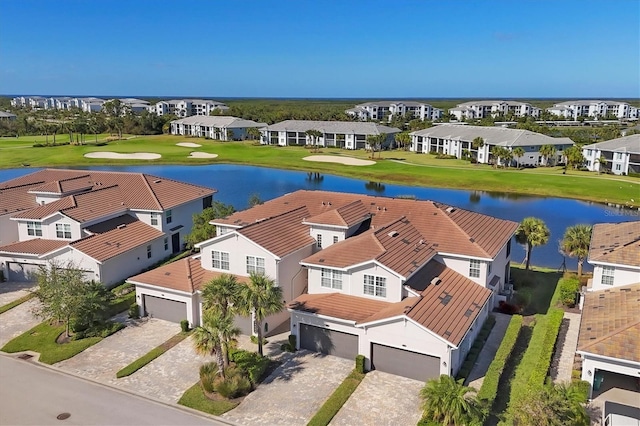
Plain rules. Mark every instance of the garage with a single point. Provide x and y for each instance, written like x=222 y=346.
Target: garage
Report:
x=169 y=310
x=330 y=342
x=22 y=271
x=244 y=324
x=404 y=363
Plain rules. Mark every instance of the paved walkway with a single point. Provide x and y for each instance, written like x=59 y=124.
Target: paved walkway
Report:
x=16 y=321
x=294 y=392
x=103 y=360
x=488 y=352
x=568 y=350
x=13 y=290
x=382 y=399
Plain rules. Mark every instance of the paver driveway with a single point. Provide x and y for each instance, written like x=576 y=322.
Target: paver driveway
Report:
x=382 y=399
x=103 y=360
x=294 y=392
x=13 y=290
x=16 y=321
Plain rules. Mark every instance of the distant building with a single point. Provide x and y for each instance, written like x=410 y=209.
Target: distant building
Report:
x=492 y=108
x=187 y=107
x=386 y=110
x=7 y=116
x=595 y=109
x=622 y=155
x=218 y=127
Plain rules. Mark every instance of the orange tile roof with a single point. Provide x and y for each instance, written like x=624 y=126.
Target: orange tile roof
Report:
x=338 y=305
x=183 y=275
x=617 y=243
x=108 y=225
x=48 y=209
x=351 y=251
x=345 y=216
x=117 y=241
x=610 y=324
x=37 y=246
x=64 y=186
x=16 y=199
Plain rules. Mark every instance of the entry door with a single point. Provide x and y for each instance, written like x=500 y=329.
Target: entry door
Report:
x=175 y=243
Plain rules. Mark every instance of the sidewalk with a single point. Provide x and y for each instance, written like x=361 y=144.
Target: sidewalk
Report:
x=488 y=352
x=568 y=350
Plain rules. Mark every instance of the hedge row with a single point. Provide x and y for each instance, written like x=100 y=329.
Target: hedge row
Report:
x=477 y=346
x=556 y=300
x=568 y=288
x=489 y=388
x=554 y=322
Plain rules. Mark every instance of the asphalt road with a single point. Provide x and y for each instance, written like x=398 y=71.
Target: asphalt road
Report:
x=31 y=394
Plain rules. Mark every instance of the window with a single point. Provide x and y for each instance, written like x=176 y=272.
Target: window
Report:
x=169 y=216
x=63 y=230
x=166 y=243
x=255 y=265
x=220 y=260
x=34 y=228
x=154 y=219
x=508 y=248
x=207 y=202
x=335 y=239
x=148 y=252
x=319 y=241
x=375 y=286
x=331 y=279
x=618 y=167
x=474 y=268
x=607 y=275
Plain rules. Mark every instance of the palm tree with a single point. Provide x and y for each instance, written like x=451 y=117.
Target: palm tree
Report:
x=518 y=152
x=602 y=162
x=531 y=233
x=476 y=144
x=547 y=152
x=253 y=133
x=402 y=139
x=575 y=243
x=261 y=297
x=314 y=136
x=221 y=294
x=213 y=336
x=449 y=402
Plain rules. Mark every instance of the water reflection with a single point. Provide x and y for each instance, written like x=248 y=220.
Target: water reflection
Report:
x=377 y=187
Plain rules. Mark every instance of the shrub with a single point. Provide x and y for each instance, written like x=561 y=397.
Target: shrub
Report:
x=569 y=288
x=554 y=321
x=254 y=340
x=360 y=364
x=252 y=363
x=134 y=311
x=508 y=308
x=290 y=346
x=234 y=385
x=581 y=388
x=184 y=325
x=100 y=330
x=208 y=373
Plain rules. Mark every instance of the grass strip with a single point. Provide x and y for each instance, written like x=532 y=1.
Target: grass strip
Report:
x=196 y=399
x=42 y=338
x=151 y=355
x=337 y=399
x=11 y=305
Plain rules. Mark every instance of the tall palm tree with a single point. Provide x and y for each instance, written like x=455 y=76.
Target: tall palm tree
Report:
x=531 y=233
x=575 y=243
x=476 y=144
x=602 y=163
x=261 y=297
x=449 y=402
x=518 y=152
x=221 y=294
x=547 y=152
x=253 y=133
x=213 y=336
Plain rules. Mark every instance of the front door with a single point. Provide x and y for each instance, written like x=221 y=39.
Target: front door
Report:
x=175 y=243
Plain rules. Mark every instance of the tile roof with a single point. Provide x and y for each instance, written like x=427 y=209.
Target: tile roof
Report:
x=117 y=241
x=108 y=225
x=64 y=186
x=36 y=246
x=345 y=216
x=183 y=275
x=15 y=199
x=610 y=324
x=629 y=144
x=338 y=305
x=218 y=121
x=617 y=243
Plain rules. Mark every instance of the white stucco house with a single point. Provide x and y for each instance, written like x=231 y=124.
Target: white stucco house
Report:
x=492 y=108
x=110 y=224
x=594 y=108
x=622 y=155
x=455 y=139
x=406 y=283
x=224 y=128
x=386 y=110
x=187 y=107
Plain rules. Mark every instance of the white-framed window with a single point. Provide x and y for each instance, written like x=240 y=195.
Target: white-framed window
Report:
x=319 y=240
x=335 y=239
x=488 y=268
x=618 y=167
x=375 y=286
x=331 y=279
x=220 y=260
x=149 y=252
x=63 y=230
x=608 y=273
x=169 y=216
x=166 y=243
x=474 y=268
x=255 y=265
x=154 y=219
x=35 y=229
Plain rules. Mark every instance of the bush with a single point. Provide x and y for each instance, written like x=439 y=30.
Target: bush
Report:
x=508 y=308
x=290 y=346
x=445 y=157
x=569 y=288
x=208 y=373
x=250 y=362
x=254 y=340
x=581 y=388
x=100 y=330
x=184 y=325
x=233 y=385
x=360 y=364
x=134 y=311
x=554 y=321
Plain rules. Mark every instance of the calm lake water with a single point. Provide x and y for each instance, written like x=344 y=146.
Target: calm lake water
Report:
x=235 y=184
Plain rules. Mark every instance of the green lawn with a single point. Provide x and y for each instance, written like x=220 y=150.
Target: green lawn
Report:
x=151 y=355
x=196 y=399
x=337 y=399
x=400 y=167
x=42 y=339
x=11 y=305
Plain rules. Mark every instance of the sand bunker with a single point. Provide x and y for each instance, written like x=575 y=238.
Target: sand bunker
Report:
x=118 y=156
x=349 y=161
x=189 y=144
x=197 y=154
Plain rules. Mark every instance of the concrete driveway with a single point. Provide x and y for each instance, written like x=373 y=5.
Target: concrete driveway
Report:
x=16 y=321
x=294 y=392
x=103 y=360
x=13 y=290
x=382 y=399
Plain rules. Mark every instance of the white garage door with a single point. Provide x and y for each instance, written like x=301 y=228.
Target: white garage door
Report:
x=166 y=309
x=22 y=271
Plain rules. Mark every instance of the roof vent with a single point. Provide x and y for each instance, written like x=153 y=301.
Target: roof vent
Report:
x=393 y=234
x=157 y=181
x=421 y=242
x=122 y=226
x=323 y=203
x=436 y=281
x=451 y=209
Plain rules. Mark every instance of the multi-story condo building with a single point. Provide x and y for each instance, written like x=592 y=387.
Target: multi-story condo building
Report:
x=620 y=155
x=341 y=134
x=457 y=140
x=218 y=127
x=187 y=107
x=386 y=110
x=492 y=108
x=595 y=109
x=406 y=283
x=109 y=224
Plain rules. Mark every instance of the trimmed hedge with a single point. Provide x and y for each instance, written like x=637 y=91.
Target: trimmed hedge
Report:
x=568 y=288
x=151 y=355
x=489 y=388
x=11 y=305
x=476 y=348
x=337 y=399
x=251 y=362
x=554 y=321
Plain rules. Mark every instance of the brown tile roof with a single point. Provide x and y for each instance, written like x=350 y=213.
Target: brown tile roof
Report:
x=617 y=243
x=344 y=216
x=108 y=225
x=48 y=209
x=15 y=199
x=183 y=275
x=338 y=305
x=117 y=241
x=64 y=186
x=610 y=324
x=351 y=251
x=37 y=246
x=282 y=234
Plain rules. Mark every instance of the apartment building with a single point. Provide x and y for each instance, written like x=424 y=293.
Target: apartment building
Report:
x=620 y=156
x=218 y=127
x=387 y=110
x=493 y=108
x=595 y=109
x=187 y=107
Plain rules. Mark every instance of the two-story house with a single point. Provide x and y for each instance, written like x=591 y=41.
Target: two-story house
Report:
x=109 y=224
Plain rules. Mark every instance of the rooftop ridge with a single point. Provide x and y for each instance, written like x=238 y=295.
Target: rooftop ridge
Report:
x=153 y=193
x=450 y=219
x=259 y=221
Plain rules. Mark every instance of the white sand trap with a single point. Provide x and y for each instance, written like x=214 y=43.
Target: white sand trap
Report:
x=118 y=156
x=349 y=161
x=189 y=144
x=197 y=154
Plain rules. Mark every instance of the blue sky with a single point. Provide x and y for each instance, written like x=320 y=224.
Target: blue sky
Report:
x=347 y=48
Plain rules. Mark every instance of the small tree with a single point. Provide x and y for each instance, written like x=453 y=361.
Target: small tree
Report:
x=376 y=142
x=212 y=337
x=575 y=243
x=602 y=163
x=254 y=199
x=450 y=403
x=314 y=136
x=202 y=230
x=477 y=144
x=574 y=156
x=531 y=233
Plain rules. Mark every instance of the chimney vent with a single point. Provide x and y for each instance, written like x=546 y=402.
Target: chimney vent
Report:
x=122 y=226
x=436 y=281
x=393 y=234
